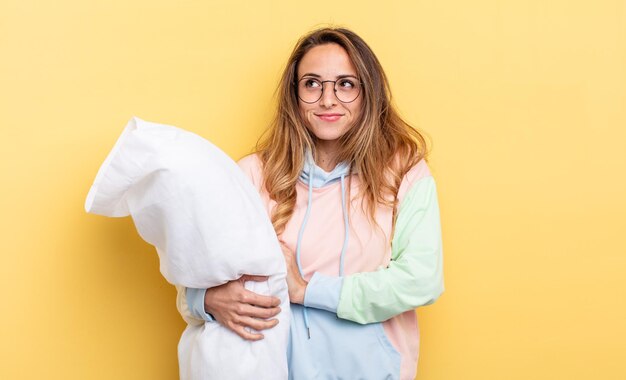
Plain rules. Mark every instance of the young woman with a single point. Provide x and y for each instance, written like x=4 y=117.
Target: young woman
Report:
x=351 y=198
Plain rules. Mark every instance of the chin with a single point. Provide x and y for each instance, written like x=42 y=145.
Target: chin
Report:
x=328 y=134
x=328 y=137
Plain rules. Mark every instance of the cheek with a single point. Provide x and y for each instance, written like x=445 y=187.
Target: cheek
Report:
x=304 y=115
x=305 y=112
x=355 y=109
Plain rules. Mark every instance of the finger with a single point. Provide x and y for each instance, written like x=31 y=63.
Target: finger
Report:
x=245 y=334
x=257 y=324
x=250 y=277
x=258 y=312
x=252 y=298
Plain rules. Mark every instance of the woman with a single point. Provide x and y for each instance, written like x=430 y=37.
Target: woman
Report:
x=350 y=196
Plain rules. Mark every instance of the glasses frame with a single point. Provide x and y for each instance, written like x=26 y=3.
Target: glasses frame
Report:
x=334 y=82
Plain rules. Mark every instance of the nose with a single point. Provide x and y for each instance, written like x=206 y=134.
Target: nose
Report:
x=328 y=98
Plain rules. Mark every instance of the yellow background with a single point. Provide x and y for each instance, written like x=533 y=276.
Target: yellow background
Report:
x=524 y=101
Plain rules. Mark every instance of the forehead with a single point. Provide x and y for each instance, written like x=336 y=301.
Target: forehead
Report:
x=328 y=61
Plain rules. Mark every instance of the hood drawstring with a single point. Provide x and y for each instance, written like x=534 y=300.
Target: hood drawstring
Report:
x=346 y=234
x=344 y=209
x=300 y=233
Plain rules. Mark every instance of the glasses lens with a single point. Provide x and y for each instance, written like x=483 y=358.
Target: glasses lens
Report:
x=309 y=90
x=347 y=89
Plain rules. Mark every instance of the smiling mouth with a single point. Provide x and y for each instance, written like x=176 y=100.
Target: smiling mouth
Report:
x=329 y=116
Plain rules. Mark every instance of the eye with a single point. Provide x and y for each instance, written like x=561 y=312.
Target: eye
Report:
x=346 y=84
x=312 y=83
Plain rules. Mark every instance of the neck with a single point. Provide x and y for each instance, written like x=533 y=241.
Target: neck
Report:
x=326 y=155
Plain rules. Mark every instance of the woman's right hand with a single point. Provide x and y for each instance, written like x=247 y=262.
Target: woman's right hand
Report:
x=237 y=308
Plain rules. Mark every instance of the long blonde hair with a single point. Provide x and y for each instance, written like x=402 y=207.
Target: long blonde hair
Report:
x=380 y=147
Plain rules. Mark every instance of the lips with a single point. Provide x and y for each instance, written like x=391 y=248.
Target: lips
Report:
x=329 y=116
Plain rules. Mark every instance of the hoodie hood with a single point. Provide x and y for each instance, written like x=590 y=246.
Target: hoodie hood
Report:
x=318 y=177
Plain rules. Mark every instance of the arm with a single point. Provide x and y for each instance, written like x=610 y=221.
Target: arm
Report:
x=413 y=278
x=182 y=304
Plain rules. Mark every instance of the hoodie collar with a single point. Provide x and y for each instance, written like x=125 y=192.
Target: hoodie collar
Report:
x=318 y=176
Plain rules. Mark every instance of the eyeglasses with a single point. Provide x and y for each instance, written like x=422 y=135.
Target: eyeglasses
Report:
x=346 y=90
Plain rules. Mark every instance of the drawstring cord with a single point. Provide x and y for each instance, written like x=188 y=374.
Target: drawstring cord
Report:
x=345 y=224
x=300 y=233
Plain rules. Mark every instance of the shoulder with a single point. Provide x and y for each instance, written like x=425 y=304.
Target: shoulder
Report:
x=250 y=162
x=417 y=173
x=252 y=167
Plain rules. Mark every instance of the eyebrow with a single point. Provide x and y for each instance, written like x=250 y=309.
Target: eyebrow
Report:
x=337 y=77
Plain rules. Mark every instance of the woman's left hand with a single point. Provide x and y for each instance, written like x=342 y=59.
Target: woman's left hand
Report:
x=295 y=282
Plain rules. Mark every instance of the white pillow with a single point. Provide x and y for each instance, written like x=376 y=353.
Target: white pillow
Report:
x=208 y=224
